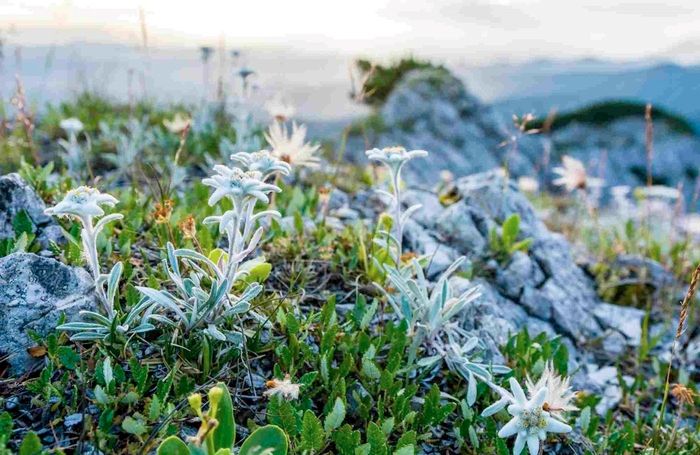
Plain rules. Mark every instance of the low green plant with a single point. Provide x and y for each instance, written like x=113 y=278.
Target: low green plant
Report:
x=217 y=431
x=505 y=243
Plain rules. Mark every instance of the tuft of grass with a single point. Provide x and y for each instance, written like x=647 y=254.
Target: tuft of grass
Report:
x=379 y=80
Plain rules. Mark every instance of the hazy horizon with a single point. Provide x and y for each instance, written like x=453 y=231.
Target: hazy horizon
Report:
x=473 y=31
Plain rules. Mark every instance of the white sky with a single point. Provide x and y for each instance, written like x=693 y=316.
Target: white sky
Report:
x=475 y=30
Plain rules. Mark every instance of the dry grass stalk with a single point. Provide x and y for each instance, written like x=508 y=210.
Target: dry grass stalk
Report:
x=685 y=305
x=683 y=318
x=649 y=142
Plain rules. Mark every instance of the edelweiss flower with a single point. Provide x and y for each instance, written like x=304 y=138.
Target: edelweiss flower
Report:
x=394 y=157
x=690 y=224
x=559 y=393
x=284 y=388
x=530 y=421
x=238 y=185
x=573 y=175
x=178 y=124
x=82 y=202
x=279 y=109
x=262 y=161
x=528 y=184
x=71 y=125
x=291 y=148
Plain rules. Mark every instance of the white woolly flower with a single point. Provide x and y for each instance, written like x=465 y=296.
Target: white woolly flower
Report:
x=178 y=124
x=290 y=147
x=71 y=125
x=262 y=161
x=82 y=202
x=528 y=184
x=559 y=393
x=690 y=224
x=238 y=185
x=284 y=388
x=394 y=157
x=279 y=109
x=573 y=175
x=530 y=422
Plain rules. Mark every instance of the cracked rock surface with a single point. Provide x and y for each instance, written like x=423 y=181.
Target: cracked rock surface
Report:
x=542 y=289
x=34 y=292
x=17 y=195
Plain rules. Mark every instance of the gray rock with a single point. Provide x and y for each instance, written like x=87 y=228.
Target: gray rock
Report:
x=34 y=291
x=432 y=110
x=17 y=195
x=614 y=343
x=430 y=206
x=337 y=199
x=626 y=320
x=420 y=240
x=520 y=273
x=458 y=225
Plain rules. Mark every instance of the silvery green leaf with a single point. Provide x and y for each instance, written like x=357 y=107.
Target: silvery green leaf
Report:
x=500 y=369
x=145 y=327
x=427 y=362
x=477 y=370
x=335 y=417
x=215 y=332
x=471 y=390
x=104 y=220
x=470 y=344
x=494 y=408
x=409 y=211
x=96 y=317
x=161 y=298
x=113 y=281
x=237 y=308
x=76 y=326
x=172 y=259
x=107 y=373
x=100 y=395
x=89 y=336
x=235 y=338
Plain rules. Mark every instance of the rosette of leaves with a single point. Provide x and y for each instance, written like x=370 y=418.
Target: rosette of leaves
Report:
x=431 y=313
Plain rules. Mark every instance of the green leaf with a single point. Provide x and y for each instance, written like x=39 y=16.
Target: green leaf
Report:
x=584 y=419
x=100 y=395
x=107 y=372
x=154 y=408
x=281 y=412
x=173 y=446
x=5 y=425
x=346 y=440
x=409 y=438
x=405 y=450
x=335 y=418
x=225 y=432
x=269 y=439
x=31 y=445
x=68 y=357
x=312 y=436
x=106 y=418
x=511 y=229
x=133 y=426
x=377 y=440
x=22 y=223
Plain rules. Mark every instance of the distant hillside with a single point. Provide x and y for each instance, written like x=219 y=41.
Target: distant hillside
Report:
x=538 y=89
x=606 y=112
